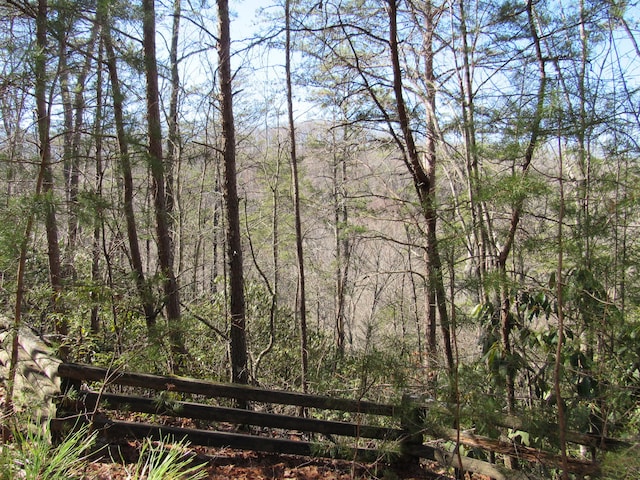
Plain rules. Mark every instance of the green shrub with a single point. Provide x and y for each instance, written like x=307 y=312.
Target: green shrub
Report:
x=623 y=465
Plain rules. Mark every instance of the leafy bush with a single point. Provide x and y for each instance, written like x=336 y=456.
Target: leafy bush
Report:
x=623 y=465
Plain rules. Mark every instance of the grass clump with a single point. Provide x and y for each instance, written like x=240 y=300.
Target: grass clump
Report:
x=32 y=455
x=165 y=460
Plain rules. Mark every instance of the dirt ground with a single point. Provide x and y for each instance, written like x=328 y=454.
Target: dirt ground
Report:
x=239 y=465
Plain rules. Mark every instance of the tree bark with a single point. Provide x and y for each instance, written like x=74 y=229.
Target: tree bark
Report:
x=481 y=239
x=157 y=167
x=44 y=122
x=99 y=174
x=424 y=180
x=173 y=135
x=301 y=308
x=238 y=345
x=506 y=321
x=144 y=291
x=342 y=243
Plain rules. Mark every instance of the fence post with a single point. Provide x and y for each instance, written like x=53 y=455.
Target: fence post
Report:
x=412 y=411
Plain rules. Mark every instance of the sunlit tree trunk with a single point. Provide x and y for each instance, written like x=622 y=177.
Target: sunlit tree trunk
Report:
x=342 y=243
x=70 y=164
x=43 y=128
x=482 y=243
x=174 y=147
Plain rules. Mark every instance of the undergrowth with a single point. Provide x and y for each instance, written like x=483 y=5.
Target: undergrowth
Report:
x=33 y=456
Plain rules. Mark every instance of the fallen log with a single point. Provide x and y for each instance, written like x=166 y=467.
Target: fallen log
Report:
x=593 y=440
x=534 y=455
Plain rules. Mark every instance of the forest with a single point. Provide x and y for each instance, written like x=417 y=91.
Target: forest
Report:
x=358 y=198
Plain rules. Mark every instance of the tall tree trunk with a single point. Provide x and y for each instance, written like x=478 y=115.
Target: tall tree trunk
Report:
x=198 y=255
x=584 y=153
x=173 y=135
x=44 y=123
x=557 y=367
x=479 y=229
x=74 y=178
x=146 y=296
x=74 y=109
x=342 y=243
x=424 y=179
x=301 y=308
x=99 y=174
x=43 y=126
x=506 y=321
x=238 y=346
x=69 y=163
x=156 y=161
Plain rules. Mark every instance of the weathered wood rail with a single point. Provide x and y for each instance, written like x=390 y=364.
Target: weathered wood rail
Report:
x=405 y=436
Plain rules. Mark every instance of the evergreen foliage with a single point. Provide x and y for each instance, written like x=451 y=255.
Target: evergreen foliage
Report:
x=438 y=160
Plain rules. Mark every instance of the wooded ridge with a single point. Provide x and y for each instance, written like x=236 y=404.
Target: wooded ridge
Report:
x=353 y=199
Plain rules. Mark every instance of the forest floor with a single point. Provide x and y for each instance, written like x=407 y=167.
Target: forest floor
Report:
x=118 y=462
x=240 y=465
x=227 y=463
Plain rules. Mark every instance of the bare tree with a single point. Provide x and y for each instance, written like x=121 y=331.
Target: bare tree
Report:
x=423 y=177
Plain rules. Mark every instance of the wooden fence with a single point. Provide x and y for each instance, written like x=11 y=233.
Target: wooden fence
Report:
x=375 y=430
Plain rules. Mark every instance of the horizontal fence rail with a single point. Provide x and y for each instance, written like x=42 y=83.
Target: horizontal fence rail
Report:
x=406 y=439
x=90 y=401
x=222 y=390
